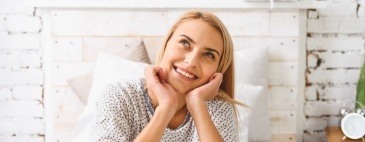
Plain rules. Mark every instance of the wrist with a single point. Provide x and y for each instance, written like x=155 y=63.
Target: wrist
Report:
x=166 y=110
x=194 y=105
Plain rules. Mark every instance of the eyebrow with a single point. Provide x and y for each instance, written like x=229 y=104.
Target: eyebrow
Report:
x=212 y=50
x=191 y=40
x=206 y=48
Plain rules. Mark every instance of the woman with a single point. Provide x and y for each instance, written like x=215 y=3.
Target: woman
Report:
x=186 y=97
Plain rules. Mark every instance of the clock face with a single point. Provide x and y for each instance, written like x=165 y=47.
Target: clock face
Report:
x=353 y=125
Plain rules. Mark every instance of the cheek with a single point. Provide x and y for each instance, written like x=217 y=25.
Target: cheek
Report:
x=208 y=72
x=171 y=54
x=168 y=58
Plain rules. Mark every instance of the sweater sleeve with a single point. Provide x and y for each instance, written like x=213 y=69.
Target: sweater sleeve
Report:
x=111 y=122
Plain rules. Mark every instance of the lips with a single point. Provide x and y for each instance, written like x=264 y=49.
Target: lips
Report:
x=185 y=73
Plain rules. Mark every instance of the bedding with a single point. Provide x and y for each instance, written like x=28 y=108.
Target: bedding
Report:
x=250 y=95
x=109 y=69
x=132 y=49
x=251 y=89
x=251 y=65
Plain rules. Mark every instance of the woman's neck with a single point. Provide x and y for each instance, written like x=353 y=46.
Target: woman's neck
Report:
x=181 y=101
x=178 y=119
x=180 y=114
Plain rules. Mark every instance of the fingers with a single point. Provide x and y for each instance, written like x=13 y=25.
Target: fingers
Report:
x=154 y=74
x=150 y=75
x=216 y=77
x=161 y=75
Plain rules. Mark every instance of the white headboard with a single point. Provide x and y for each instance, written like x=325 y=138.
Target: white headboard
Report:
x=250 y=24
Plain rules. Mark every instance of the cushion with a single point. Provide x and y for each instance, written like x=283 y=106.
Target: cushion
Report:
x=81 y=84
x=251 y=65
x=251 y=68
x=108 y=69
x=249 y=60
x=250 y=95
x=111 y=69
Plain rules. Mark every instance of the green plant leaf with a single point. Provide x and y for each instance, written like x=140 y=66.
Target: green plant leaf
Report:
x=360 y=90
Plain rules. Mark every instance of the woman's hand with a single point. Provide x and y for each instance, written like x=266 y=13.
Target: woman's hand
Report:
x=160 y=92
x=195 y=103
x=164 y=98
x=204 y=92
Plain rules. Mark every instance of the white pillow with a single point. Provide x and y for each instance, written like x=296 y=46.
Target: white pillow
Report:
x=251 y=65
x=132 y=49
x=259 y=129
x=108 y=69
x=249 y=95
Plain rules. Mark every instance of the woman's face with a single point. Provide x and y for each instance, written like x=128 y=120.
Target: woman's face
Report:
x=192 y=55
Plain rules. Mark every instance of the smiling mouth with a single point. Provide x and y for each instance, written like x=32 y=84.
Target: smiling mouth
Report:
x=184 y=73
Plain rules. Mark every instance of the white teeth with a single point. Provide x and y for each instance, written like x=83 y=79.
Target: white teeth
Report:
x=188 y=75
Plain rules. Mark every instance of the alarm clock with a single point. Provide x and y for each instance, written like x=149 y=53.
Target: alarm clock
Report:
x=353 y=123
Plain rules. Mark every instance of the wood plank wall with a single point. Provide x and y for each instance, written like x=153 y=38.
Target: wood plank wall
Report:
x=73 y=30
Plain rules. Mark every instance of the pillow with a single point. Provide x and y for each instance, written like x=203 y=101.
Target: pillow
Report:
x=108 y=69
x=81 y=84
x=251 y=68
x=249 y=95
x=259 y=129
x=251 y=65
x=254 y=93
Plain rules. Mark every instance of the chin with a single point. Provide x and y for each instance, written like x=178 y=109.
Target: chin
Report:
x=183 y=90
x=179 y=87
x=181 y=84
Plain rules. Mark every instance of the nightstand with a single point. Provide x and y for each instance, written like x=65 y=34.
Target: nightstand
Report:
x=334 y=134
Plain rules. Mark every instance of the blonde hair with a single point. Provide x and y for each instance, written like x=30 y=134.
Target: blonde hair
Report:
x=225 y=66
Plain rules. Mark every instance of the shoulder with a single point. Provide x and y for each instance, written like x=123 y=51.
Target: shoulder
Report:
x=128 y=86
x=221 y=111
x=126 y=90
x=223 y=116
x=219 y=105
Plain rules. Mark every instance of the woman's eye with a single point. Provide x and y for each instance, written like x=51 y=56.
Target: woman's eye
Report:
x=185 y=43
x=210 y=55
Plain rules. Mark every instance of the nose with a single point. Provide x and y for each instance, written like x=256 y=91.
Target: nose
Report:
x=192 y=59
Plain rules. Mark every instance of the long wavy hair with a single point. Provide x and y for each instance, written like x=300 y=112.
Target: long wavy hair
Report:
x=225 y=66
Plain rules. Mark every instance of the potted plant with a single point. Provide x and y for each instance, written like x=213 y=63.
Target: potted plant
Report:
x=360 y=90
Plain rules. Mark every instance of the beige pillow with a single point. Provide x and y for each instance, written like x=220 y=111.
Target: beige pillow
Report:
x=81 y=85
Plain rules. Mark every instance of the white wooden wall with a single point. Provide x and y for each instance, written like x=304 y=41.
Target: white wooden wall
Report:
x=73 y=30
